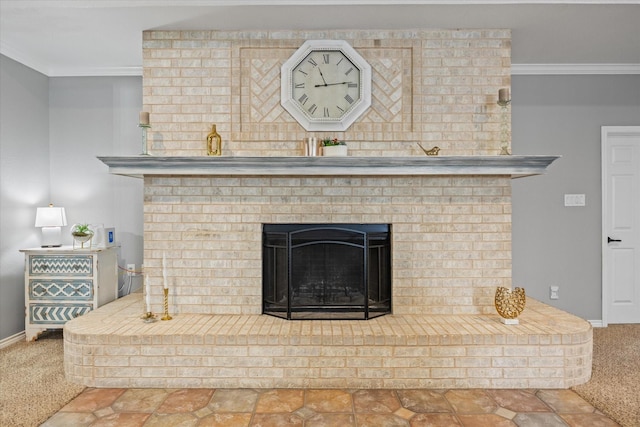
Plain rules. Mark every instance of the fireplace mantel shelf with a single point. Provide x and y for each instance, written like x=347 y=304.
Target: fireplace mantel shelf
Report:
x=515 y=166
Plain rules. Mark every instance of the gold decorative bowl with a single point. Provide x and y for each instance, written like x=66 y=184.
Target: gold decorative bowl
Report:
x=509 y=304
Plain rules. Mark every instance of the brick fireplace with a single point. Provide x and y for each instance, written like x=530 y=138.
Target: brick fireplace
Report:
x=450 y=216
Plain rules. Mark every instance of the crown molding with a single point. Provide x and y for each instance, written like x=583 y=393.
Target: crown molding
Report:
x=96 y=72
x=516 y=69
x=567 y=69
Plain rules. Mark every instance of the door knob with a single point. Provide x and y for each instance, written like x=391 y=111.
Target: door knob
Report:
x=609 y=240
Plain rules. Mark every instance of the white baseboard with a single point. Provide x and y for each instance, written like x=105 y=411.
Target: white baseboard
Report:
x=20 y=336
x=596 y=323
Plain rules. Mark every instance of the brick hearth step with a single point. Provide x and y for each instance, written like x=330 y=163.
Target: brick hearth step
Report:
x=113 y=347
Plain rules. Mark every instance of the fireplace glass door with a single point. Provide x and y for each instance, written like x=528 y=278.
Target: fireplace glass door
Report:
x=326 y=271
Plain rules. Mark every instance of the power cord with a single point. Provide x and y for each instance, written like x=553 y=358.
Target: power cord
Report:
x=127 y=281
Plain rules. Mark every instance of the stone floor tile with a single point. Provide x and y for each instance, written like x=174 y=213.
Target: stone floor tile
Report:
x=565 y=401
x=172 y=420
x=518 y=400
x=276 y=420
x=485 y=420
x=328 y=400
x=505 y=413
x=66 y=419
x=93 y=399
x=591 y=420
x=185 y=400
x=331 y=420
x=122 y=419
x=233 y=400
x=381 y=420
x=140 y=400
x=226 y=420
x=538 y=419
x=280 y=400
x=378 y=401
x=434 y=420
x=473 y=401
x=424 y=401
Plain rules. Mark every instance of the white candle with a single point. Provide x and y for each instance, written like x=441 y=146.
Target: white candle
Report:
x=164 y=271
x=144 y=118
x=147 y=297
x=503 y=95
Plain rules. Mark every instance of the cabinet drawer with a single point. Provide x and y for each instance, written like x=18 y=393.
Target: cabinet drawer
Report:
x=81 y=289
x=44 y=314
x=61 y=265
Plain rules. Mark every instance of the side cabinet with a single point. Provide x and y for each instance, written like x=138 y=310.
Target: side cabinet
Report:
x=64 y=283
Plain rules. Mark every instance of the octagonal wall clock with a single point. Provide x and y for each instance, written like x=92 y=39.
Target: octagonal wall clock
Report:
x=326 y=85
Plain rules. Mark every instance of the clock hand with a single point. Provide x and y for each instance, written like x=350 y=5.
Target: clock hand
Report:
x=321 y=75
x=333 y=84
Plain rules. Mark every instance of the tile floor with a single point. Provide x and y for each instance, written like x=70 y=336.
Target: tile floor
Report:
x=319 y=408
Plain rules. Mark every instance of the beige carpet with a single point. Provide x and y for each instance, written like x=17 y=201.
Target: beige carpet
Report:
x=614 y=387
x=32 y=383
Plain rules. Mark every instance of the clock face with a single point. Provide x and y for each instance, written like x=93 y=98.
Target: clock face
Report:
x=326 y=85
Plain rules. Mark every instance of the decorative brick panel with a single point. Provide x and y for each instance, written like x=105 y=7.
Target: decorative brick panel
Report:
x=434 y=86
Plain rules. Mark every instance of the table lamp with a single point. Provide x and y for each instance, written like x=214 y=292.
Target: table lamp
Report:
x=50 y=219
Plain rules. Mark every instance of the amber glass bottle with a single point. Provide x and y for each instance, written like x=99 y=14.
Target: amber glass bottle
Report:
x=214 y=143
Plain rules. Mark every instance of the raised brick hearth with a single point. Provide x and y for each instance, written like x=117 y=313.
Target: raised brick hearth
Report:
x=112 y=347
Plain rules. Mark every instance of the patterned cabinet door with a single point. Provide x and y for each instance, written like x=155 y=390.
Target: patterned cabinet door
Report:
x=56 y=313
x=75 y=289
x=61 y=265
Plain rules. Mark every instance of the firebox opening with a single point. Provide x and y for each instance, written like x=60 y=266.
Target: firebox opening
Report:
x=326 y=271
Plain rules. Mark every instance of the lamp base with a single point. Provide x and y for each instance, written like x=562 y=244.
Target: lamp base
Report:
x=51 y=237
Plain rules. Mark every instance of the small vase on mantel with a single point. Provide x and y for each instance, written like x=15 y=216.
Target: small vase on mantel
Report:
x=214 y=142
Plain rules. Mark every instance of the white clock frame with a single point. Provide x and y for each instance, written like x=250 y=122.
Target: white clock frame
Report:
x=320 y=123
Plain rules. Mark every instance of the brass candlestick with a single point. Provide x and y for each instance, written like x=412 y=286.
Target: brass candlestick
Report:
x=166 y=315
x=145 y=128
x=149 y=317
x=504 y=99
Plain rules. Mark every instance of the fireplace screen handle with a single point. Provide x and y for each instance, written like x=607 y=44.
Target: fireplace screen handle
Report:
x=609 y=240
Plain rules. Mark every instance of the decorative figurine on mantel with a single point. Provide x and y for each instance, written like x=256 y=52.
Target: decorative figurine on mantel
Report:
x=431 y=152
x=509 y=304
x=214 y=142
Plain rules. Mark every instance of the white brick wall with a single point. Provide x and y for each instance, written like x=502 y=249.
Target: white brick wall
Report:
x=438 y=87
x=451 y=236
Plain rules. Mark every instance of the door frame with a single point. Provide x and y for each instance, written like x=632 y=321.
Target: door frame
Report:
x=606 y=133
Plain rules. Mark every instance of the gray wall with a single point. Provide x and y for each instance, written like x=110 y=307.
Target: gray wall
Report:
x=89 y=117
x=553 y=244
x=24 y=180
x=52 y=129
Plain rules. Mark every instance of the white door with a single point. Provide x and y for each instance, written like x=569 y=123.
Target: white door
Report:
x=621 y=224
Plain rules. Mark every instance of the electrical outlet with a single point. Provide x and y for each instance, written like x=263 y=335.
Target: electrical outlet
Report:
x=131 y=269
x=554 y=292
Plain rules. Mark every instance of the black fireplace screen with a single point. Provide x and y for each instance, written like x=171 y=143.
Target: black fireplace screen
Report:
x=326 y=271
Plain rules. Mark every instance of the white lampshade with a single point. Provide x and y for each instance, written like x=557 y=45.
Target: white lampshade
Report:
x=50 y=219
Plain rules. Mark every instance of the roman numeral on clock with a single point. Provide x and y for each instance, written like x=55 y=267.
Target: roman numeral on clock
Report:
x=313 y=108
x=312 y=62
x=326 y=112
x=299 y=85
x=325 y=58
x=349 y=99
x=303 y=99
